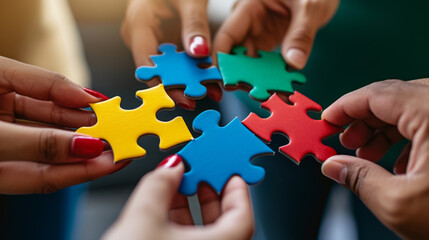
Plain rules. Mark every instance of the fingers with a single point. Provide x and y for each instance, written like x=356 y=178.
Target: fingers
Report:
x=30 y=177
x=22 y=143
x=157 y=188
x=382 y=103
x=236 y=221
x=42 y=84
x=366 y=179
x=401 y=163
x=233 y=31
x=195 y=27
x=49 y=112
x=209 y=202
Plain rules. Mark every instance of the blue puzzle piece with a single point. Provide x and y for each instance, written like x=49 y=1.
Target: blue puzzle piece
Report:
x=219 y=153
x=179 y=69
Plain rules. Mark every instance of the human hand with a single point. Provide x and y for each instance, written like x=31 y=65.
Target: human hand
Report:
x=264 y=24
x=34 y=157
x=379 y=115
x=183 y=22
x=156 y=210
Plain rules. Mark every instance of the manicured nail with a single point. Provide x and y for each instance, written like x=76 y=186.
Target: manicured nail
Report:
x=198 y=46
x=95 y=94
x=296 y=57
x=185 y=105
x=170 y=161
x=86 y=147
x=215 y=96
x=335 y=171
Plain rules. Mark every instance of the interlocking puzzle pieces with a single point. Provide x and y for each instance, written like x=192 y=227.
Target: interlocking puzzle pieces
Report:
x=265 y=73
x=121 y=127
x=179 y=69
x=305 y=134
x=221 y=152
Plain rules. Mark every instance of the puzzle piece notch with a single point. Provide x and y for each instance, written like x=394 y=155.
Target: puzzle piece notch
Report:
x=219 y=153
x=179 y=69
x=305 y=134
x=265 y=73
x=122 y=127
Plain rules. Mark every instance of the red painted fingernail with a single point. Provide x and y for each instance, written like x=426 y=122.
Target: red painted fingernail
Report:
x=170 y=161
x=198 y=46
x=86 y=147
x=215 y=96
x=95 y=94
x=185 y=105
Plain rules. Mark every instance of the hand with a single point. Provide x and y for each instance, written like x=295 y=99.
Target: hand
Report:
x=183 y=22
x=35 y=157
x=264 y=24
x=156 y=211
x=380 y=115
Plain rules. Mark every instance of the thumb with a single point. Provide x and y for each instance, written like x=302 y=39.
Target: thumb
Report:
x=195 y=27
x=366 y=179
x=156 y=190
x=299 y=39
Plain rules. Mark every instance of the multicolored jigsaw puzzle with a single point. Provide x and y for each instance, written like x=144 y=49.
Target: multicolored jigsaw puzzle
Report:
x=265 y=73
x=305 y=134
x=121 y=127
x=179 y=69
x=221 y=152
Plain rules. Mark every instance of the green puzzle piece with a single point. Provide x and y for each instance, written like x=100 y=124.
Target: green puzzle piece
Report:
x=265 y=73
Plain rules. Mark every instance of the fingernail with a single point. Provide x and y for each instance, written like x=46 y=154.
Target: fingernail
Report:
x=296 y=57
x=95 y=94
x=86 y=147
x=170 y=161
x=215 y=96
x=198 y=46
x=335 y=171
x=185 y=105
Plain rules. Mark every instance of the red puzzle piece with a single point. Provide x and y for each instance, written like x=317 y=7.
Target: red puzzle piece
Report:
x=305 y=134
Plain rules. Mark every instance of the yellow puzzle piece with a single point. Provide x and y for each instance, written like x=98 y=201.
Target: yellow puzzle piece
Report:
x=121 y=127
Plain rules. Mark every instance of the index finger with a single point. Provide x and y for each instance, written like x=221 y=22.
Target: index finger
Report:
x=393 y=102
x=41 y=84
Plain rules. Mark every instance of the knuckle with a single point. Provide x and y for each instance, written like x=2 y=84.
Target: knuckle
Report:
x=304 y=38
x=47 y=185
x=355 y=178
x=48 y=146
x=57 y=115
x=195 y=24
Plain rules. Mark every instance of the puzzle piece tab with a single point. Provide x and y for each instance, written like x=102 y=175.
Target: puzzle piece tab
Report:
x=305 y=134
x=221 y=152
x=121 y=127
x=179 y=69
x=265 y=73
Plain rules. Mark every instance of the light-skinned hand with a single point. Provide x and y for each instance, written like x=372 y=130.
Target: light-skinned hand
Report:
x=148 y=23
x=379 y=115
x=36 y=155
x=265 y=24
x=156 y=210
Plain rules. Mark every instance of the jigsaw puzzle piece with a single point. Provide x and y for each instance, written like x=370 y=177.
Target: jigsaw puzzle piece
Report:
x=265 y=73
x=122 y=127
x=304 y=133
x=219 y=153
x=178 y=69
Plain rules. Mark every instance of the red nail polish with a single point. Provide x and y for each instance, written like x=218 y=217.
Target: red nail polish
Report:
x=95 y=94
x=185 y=105
x=198 y=46
x=170 y=161
x=86 y=147
x=214 y=96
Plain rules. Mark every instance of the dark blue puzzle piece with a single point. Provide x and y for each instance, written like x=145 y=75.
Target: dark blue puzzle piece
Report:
x=221 y=152
x=179 y=69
